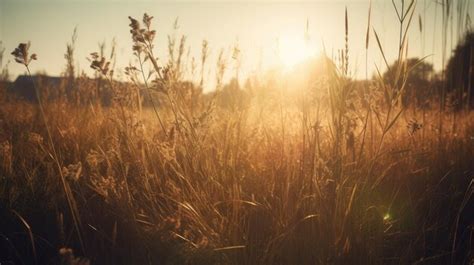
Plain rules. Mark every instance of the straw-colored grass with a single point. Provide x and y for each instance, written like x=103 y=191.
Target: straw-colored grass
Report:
x=333 y=172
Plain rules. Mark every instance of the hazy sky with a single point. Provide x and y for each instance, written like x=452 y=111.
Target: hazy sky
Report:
x=254 y=25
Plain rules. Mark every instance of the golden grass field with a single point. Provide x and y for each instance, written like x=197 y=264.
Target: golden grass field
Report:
x=323 y=170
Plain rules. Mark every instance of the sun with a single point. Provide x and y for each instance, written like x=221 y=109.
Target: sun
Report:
x=294 y=50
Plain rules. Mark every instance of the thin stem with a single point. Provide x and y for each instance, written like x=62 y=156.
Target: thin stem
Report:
x=149 y=95
x=55 y=156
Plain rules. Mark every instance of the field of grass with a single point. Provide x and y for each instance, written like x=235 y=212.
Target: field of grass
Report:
x=333 y=171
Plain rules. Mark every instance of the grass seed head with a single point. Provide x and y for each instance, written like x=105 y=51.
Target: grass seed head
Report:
x=21 y=54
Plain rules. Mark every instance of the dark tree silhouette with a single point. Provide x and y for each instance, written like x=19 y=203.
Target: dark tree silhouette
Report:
x=459 y=72
x=418 y=85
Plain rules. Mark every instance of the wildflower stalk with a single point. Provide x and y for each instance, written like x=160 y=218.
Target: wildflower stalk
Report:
x=142 y=41
x=21 y=56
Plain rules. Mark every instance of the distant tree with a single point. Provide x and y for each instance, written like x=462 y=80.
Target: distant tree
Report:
x=460 y=74
x=418 y=85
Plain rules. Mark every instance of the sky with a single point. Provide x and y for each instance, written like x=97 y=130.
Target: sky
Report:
x=267 y=32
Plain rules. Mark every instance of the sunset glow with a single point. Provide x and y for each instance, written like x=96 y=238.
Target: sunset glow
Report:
x=294 y=50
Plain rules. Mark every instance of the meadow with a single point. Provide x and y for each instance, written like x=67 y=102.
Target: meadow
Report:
x=285 y=168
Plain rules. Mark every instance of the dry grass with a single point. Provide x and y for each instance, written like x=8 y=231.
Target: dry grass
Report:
x=332 y=173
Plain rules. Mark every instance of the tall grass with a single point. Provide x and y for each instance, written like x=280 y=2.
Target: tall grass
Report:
x=244 y=175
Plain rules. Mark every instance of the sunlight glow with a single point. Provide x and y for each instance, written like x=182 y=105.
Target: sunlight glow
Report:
x=294 y=50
